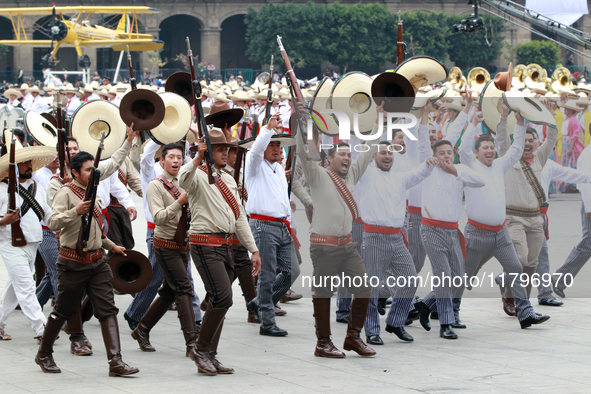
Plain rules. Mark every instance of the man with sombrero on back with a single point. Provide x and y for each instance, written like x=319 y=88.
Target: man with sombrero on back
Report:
x=19 y=260
x=216 y=219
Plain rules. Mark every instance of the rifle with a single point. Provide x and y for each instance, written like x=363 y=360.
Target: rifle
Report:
x=130 y=66
x=400 y=44
x=61 y=139
x=90 y=195
x=211 y=171
x=18 y=238
x=269 y=95
x=299 y=99
x=239 y=154
x=2 y=142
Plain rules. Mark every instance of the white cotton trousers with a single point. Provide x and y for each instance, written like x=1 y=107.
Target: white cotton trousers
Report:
x=20 y=287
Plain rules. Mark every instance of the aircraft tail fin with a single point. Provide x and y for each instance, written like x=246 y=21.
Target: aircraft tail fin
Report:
x=124 y=25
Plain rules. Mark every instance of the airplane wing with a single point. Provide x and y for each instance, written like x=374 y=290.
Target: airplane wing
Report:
x=39 y=43
x=68 y=10
x=120 y=45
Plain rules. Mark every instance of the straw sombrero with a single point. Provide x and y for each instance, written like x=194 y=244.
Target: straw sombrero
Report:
x=490 y=106
x=285 y=140
x=69 y=88
x=24 y=86
x=432 y=95
x=531 y=108
x=34 y=89
x=176 y=122
x=422 y=70
x=456 y=105
x=40 y=156
x=40 y=129
x=240 y=95
x=8 y=92
x=320 y=101
x=352 y=94
x=570 y=104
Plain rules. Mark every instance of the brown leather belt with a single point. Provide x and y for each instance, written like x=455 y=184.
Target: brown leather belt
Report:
x=212 y=240
x=91 y=256
x=168 y=244
x=329 y=240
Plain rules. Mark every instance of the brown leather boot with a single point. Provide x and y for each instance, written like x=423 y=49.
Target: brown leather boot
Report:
x=110 y=330
x=44 y=358
x=200 y=353
x=79 y=344
x=356 y=320
x=324 y=346
x=214 y=351
x=246 y=281
x=186 y=316
x=152 y=316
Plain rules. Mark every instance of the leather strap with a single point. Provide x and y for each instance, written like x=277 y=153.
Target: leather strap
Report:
x=212 y=240
x=29 y=202
x=96 y=213
x=227 y=194
x=91 y=256
x=344 y=192
x=329 y=240
x=168 y=244
x=533 y=181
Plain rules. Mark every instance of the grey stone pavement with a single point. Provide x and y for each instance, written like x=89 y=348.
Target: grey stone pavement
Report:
x=493 y=355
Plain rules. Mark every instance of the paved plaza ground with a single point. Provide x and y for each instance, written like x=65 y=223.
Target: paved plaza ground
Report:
x=492 y=355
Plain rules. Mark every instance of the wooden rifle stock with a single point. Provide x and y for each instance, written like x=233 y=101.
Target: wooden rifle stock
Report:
x=90 y=195
x=3 y=150
x=200 y=115
x=180 y=235
x=239 y=154
x=296 y=102
x=400 y=44
x=18 y=238
x=61 y=140
x=269 y=94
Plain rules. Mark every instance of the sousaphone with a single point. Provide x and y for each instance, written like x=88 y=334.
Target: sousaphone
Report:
x=131 y=273
x=478 y=77
x=176 y=122
x=41 y=130
x=94 y=117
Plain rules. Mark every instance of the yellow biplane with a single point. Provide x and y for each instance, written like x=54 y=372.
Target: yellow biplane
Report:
x=76 y=30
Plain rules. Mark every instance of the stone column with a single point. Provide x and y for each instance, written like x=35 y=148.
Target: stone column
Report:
x=23 y=58
x=211 y=38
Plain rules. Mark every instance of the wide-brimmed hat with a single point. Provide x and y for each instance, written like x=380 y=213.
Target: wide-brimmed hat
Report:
x=93 y=117
x=422 y=70
x=285 y=140
x=69 y=88
x=583 y=100
x=34 y=89
x=503 y=79
x=39 y=156
x=321 y=101
x=456 y=105
x=131 y=273
x=530 y=108
x=570 y=104
x=24 y=86
x=432 y=95
x=42 y=130
x=142 y=107
x=221 y=114
x=490 y=106
x=352 y=94
x=239 y=95
x=176 y=122
x=10 y=91
x=217 y=137
x=394 y=90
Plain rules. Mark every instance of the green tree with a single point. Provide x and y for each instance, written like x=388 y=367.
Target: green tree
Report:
x=469 y=50
x=302 y=27
x=360 y=35
x=3 y=50
x=544 y=53
x=429 y=32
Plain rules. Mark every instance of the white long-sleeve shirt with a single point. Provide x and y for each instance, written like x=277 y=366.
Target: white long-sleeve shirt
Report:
x=38 y=104
x=416 y=153
x=383 y=200
x=265 y=182
x=443 y=192
x=29 y=222
x=584 y=167
x=148 y=171
x=113 y=186
x=42 y=176
x=486 y=205
x=72 y=105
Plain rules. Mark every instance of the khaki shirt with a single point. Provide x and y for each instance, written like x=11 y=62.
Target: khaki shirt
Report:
x=210 y=213
x=64 y=218
x=519 y=192
x=331 y=215
x=133 y=179
x=107 y=168
x=164 y=208
x=300 y=186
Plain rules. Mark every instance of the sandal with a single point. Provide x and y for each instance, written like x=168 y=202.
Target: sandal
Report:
x=4 y=336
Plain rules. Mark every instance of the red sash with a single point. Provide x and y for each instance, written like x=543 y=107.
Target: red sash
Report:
x=284 y=221
x=151 y=226
x=96 y=213
x=358 y=220
x=412 y=209
x=226 y=193
x=452 y=225
x=368 y=228
x=544 y=211
x=486 y=226
x=344 y=192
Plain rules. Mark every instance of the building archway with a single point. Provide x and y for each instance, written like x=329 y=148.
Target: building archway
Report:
x=7 y=52
x=233 y=44
x=173 y=31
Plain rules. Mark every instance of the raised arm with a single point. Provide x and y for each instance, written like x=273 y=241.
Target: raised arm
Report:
x=257 y=152
x=516 y=150
x=61 y=213
x=469 y=177
x=147 y=161
x=416 y=175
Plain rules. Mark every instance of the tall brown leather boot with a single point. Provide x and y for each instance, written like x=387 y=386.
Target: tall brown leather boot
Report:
x=44 y=358
x=110 y=330
x=324 y=345
x=214 y=351
x=186 y=316
x=356 y=320
x=152 y=316
x=529 y=271
x=246 y=281
x=200 y=353
x=79 y=344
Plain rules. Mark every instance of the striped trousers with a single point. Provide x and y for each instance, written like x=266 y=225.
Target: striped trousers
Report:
x=344 y=298
x=544 y=289
x=415 y=241
x=479 y=243
x=386 y=253
x=445 y=253
x=49 y=251
x=142 y=300
x=277 y=250
x=579 y=256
